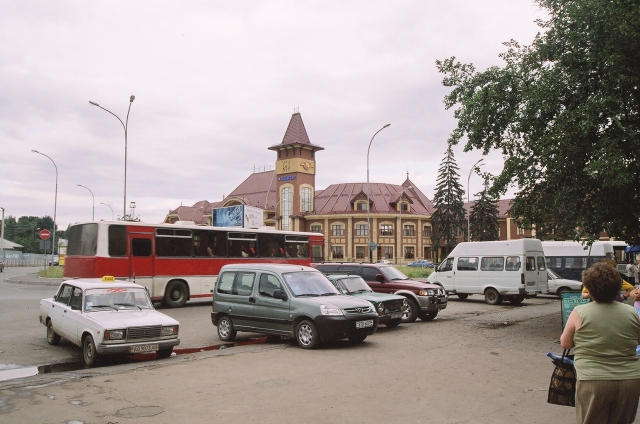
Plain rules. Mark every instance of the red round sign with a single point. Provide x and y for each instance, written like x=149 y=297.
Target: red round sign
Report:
x=45 y=234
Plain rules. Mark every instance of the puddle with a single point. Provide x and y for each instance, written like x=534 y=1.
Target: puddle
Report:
x=11 y=372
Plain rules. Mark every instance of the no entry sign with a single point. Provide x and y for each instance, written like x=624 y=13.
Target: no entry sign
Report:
x=45 y=234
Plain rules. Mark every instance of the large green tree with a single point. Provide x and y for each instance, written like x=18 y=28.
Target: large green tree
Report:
x=25 y=231
x=565 y=113
x=449 y=219
x=483 y=218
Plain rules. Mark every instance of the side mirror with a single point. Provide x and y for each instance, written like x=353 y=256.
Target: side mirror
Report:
x=279 y=294
x=380 y=278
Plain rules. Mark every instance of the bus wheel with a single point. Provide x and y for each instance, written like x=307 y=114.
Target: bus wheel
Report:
x=492 y=297
x=176 y=294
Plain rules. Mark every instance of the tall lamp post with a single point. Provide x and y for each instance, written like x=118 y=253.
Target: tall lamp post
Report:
x=469 y=201
x=369 y=195
x=124 y=125
x=109 y=208
x=55 y=207
x=93 y=203
x=2 y=236
x=401 y=231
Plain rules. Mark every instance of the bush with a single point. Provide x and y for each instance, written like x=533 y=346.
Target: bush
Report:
x=419 y=273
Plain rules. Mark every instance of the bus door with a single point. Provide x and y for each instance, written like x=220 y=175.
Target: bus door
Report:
x=141 y=262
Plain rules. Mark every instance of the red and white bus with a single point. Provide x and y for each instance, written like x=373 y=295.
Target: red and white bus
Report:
x=179 y=262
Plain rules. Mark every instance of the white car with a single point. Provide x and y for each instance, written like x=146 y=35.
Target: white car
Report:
x=107 y=316
x=557 y=285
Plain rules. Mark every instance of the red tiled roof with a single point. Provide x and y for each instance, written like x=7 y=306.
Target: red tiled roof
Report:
x=258 y=190
x=504 y=205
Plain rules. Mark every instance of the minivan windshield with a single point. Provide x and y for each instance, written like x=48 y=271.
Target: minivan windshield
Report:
x=392 y=273
x=305 y=283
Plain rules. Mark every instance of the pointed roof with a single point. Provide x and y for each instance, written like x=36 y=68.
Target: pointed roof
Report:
x=296 y=135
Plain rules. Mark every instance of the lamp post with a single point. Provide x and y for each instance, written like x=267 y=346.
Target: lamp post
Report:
x=109 y=208
x=2 y=236
x=124 y=125
x=401 y=232
x=55 y=207
x=469 y=201
x=369 y=194
x=93 y=203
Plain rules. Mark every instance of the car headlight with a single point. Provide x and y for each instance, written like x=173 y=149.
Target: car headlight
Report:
x=169 y=331
x=330 y=310
x=114 y=334
x=380 y=308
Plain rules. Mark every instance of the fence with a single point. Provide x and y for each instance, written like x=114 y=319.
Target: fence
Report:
x=12 y=258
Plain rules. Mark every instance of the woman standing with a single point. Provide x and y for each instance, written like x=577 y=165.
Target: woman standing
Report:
x=604 y=335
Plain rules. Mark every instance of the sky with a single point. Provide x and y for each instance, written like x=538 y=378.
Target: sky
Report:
x=215 y=85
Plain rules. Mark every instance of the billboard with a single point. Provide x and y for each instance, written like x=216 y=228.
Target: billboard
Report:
x=237 y=216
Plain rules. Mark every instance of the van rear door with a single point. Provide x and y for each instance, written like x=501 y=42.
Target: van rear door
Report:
x=535 y=273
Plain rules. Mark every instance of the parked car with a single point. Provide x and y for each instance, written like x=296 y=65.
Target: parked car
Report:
x=54 y=261
x=390 y=307
x=1 y=266
x=293 y=301
x=384 y=261
x=557 y=285
x=106 y=316
x=421 y=263
x=424 y=300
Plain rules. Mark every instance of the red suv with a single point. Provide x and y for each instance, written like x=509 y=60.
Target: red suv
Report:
x=425 y=300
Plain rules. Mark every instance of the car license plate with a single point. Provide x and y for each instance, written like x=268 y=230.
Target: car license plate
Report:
x=144 y=348
x=531 y=283
x=364 y=324
x=396 y=315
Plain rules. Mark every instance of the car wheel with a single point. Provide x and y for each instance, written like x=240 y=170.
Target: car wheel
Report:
x=307 y=335
x=463 y=296
x=226 y=332
x=411 y=313
x=164 y=353
x=359 y=338
x=492 y=297
x=52 y=338
x=516 y=300
x=562 y=290
x=429 y=316
x=393 y=323
x=176 y=294
x=89 y=353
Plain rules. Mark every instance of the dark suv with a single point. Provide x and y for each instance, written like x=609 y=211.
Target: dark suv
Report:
x=424 y=300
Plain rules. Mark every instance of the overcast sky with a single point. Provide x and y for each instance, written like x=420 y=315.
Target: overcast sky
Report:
x=215 y=84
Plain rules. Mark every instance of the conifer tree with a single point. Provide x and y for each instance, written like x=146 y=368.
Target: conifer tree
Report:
x=448 y=220
x=484 y=217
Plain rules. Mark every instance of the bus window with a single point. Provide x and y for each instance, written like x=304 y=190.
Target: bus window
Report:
x=297 y=246
x=242 y=245
x=271 y=245
x=117 y=240
x=318 y=254
x=209 y=243
x=467 y=264
x=492 y=264
x=83 y=240
x=513 y=263
x=141 y=247
x=170 y=242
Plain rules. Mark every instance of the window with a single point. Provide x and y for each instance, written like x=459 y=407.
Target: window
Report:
x=409 y=252
x=360 y=252
x=172 y=242
x=225 y=284
x=297 y=246
x=388 y=252
x=513 y=263
x=467 y=264
x=83 y=240
x=426 y=231
x=369 y=273
x=386 y=230
x=541 y=264
x=316 y=228
x=244 y=283
x=492 y=264
x=404 y=206
x=141 y=247
x=530 y=263
x=286 y=205
x=409 y=230
x=337 y=252
x=520 y=231
x=268 y=284
x=117 y=240
x=361 y=206
x=446 y=265
x=337 y=230
x=306 y=199
x=362 y=230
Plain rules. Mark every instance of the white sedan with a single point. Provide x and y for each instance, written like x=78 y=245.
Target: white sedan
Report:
x=107 y=316
x=557 y=285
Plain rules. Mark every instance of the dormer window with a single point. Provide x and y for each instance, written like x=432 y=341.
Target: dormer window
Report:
x=404 y=207
x=361 y=205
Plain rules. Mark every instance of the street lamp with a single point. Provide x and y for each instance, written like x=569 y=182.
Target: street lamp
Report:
x=124 y=125
x=2 y=237
x=369 y=194
x=55 y=207
x=93 y=203
x=109 y=208
x=401 y=232
x=469 y=201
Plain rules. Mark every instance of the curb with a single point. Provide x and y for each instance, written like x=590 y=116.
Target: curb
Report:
x=33 y=279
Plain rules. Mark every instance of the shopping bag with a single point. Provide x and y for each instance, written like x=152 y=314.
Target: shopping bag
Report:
x=562 y=389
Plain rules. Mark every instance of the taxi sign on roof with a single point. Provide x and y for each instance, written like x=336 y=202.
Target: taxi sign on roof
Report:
x=108 y=279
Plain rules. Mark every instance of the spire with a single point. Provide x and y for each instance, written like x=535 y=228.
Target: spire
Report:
x=296 y=134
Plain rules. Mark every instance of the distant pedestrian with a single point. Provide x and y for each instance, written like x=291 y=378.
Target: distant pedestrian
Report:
x=632 y=272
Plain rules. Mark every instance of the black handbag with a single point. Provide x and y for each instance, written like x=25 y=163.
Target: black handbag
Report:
x=562 y=389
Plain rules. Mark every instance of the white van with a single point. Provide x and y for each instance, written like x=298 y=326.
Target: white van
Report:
x=500 y=270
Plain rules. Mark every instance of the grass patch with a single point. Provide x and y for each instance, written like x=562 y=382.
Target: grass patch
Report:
x=51 y=272
x=410 y=272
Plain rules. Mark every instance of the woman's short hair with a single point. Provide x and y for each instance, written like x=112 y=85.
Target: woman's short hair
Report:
x=603 y=282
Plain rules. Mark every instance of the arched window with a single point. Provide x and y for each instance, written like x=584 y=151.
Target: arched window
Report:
x=286 y=205
x=305 y=197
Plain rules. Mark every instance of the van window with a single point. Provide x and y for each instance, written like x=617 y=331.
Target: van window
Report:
x=530 y=263
x=492 y=264
x=541 y=264
x=446 y=265
x=513 y=263
x=268 y=284
x=467 y=264
x=225 y=282
x=244 y=283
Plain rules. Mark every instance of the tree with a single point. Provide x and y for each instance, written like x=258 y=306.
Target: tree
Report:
x=25 y=231
x=565 y=113
x=484 y=217
x=448 y=220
